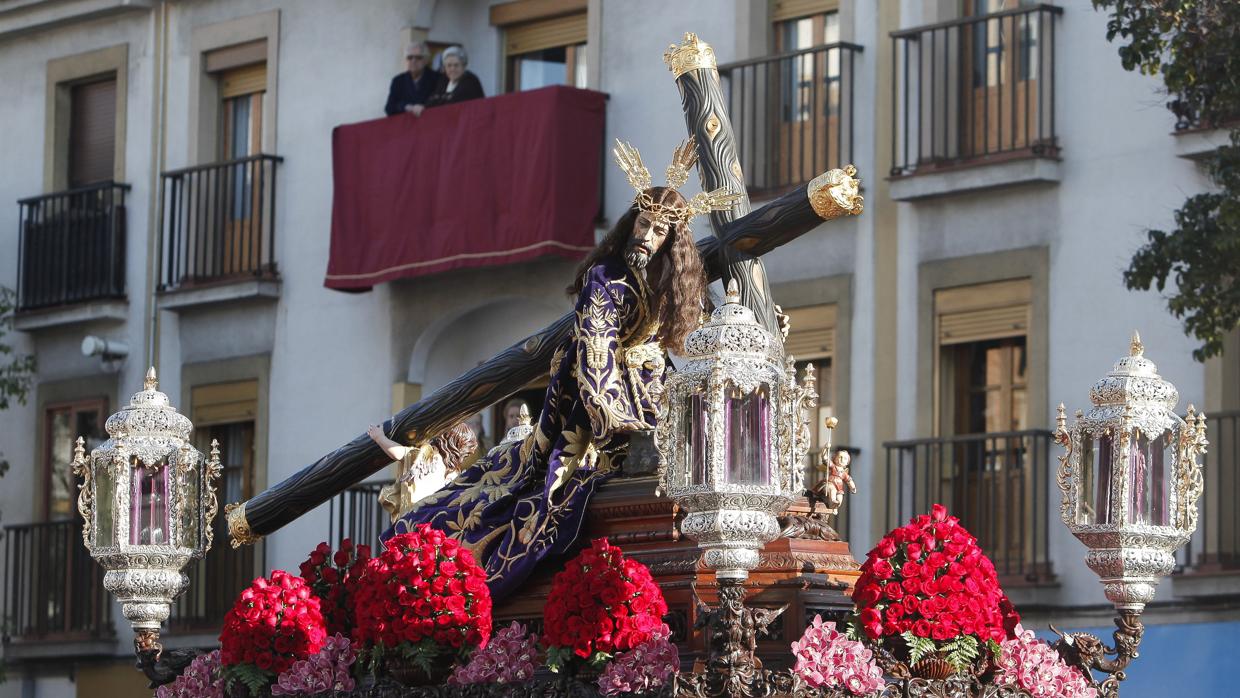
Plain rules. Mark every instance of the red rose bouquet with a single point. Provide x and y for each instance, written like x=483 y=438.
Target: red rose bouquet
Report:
x=332 y=577
x=423 y=597
x=600 y=604
x=273 y=623
x=927 y=590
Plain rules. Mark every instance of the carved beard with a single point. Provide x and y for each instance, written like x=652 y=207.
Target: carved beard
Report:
x=637 y=258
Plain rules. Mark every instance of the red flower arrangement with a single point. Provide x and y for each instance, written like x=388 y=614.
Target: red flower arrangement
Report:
x=272 y=624
x=332 y=577
x=424 y=595
x=600 y=604
x=929 y=583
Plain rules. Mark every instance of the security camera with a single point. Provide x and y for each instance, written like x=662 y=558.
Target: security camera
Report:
x=105 y=349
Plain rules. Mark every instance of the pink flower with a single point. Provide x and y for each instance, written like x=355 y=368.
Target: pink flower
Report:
x=1036 y=667
x=825 y=658
x=508 y=658
x=201 y=679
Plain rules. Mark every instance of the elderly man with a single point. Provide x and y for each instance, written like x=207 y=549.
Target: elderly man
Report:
x=414 y=86
x=640 y=292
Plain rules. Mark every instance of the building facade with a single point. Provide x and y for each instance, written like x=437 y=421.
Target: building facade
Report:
x=169 y=167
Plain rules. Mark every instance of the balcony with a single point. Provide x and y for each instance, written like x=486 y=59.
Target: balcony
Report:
x=219 y=223
x=1210 y=563
x=974 y=91
x=356 y=514
x=53 y=591
x=71 y=246
x=214 y=583
x=998 y=484
x=793 y=114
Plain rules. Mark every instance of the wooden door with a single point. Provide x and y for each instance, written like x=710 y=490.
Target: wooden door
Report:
x=808 y=85
x=1000 y=108
x=244 y=90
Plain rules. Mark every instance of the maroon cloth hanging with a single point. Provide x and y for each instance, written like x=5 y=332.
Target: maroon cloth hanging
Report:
x=482 y=183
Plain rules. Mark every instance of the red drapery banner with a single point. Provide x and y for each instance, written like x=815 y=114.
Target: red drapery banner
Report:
x=482 y=183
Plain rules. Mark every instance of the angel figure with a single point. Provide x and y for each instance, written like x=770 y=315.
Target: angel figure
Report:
x=425 y=469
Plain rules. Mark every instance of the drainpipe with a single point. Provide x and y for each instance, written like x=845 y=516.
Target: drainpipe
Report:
x=155 y=209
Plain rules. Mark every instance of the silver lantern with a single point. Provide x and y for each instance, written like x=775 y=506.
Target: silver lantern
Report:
x=1131 y=479
x=732 y=440
x=148 y=499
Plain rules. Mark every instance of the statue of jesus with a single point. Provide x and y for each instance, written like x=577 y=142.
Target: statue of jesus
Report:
x=638 y=293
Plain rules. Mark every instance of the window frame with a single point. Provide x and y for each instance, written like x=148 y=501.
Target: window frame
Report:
x=98 y=404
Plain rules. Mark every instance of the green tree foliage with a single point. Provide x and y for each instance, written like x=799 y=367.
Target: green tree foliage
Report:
x=16 y=370
x=1194 y=45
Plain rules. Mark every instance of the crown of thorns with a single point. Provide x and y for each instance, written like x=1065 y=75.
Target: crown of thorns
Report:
x=683 y=160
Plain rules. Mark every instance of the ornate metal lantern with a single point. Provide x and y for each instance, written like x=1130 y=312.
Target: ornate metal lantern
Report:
x=732 y=441
x=148 y=499
x=1130 y=479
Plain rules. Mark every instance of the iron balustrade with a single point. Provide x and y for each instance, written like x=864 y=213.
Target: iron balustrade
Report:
x=53 y=590
x=974 y=89
x=215 y=582
x=71 y=246
x=792 y=114
x=1216 y=544
x=998 y=484
x=219 y=222
x=357 y=515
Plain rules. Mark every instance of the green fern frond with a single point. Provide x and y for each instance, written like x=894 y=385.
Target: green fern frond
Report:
x=918 y=647
x=962 y=652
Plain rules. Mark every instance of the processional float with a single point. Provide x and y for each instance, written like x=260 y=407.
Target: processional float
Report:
x=731 y=442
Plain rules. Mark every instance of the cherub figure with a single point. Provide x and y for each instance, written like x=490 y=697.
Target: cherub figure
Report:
x=425 y=469
x=830 y=489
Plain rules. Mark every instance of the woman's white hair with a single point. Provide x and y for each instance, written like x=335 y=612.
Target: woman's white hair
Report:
x=457 y=51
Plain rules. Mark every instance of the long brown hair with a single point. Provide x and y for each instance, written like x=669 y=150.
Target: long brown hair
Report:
x=677 y=279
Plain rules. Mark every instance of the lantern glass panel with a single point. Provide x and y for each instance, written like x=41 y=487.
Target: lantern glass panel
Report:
x=1094 y=505
x=148 y=516
x=747 y=419
x=191 y=508
x=694 y=429
x=1149 y=461
x=105 y=503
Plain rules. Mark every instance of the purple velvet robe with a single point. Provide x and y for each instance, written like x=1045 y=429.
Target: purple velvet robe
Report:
x=526 y=500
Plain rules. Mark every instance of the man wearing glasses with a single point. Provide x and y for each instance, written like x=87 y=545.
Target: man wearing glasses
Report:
x=415 y=84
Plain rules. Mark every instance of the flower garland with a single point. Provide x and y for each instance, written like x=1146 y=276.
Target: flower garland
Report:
x=645 y=668
x=508 y=658
x=273 y=623
x=1036 y=667
x=826 y=658
x=332 y=577
x=600 y=603
x=424 y=595
x=929 y=584
x=324 y=672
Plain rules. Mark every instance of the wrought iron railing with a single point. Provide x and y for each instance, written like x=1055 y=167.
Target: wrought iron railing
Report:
x=219 y=222
x=53 y=590
x=1216 y=544
x=976 y=88
x=792 y=114
x=356 y=514
x=998 y=484
x=214 y=583
x=71 y=246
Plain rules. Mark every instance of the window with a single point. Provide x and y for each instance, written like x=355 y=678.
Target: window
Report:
x=92 y=132
x=995 y=94
x=242 y=91
x=812 y=341
x=224 y=412
x=800 y=98
x=546 y=52
x=63 y=424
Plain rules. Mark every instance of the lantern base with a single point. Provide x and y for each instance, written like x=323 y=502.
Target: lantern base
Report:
x=1087 y=653
x=159 y=668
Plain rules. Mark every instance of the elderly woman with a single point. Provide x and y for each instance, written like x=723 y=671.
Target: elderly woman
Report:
x=456 y=84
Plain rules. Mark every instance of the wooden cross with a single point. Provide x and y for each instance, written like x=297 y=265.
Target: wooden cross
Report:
x=741 y=236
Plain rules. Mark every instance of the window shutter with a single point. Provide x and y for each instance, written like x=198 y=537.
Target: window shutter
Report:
x=813 y=332
x=236 y=56
x=222 y=403
x=92 y=132
x=982 y=312
x=783 y=10
x=548 y=33
x=243 y=81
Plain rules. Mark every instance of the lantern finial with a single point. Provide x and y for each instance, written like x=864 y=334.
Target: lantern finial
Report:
x=733 y=294
x=1137 y=349
x=523 y=417
x=150 y=382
